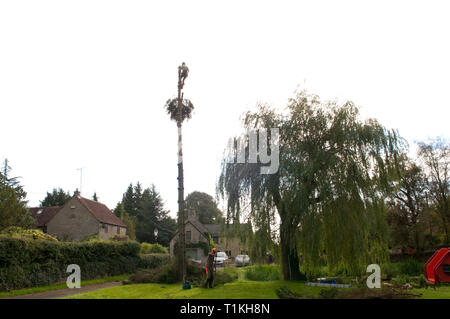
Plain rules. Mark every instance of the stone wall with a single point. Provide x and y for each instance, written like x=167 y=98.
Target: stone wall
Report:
x=195 y=237
x=73 y=222
x=107 y=231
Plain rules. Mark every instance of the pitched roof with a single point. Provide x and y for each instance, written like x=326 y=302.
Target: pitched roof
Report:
x=100 y=211
x=216 y=229
x=200 y=229
x=42 y=215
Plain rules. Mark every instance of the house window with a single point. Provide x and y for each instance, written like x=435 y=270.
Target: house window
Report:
x=192 y=253
x=105 y=228
x=188 y=235
x=118 y=229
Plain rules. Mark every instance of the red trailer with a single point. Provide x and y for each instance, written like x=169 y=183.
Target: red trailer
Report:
x=437 y=268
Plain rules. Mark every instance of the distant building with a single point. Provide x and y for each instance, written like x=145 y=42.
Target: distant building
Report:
x=197 y=236
x=77 y=219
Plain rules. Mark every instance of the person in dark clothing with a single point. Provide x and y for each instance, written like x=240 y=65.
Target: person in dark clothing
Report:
x=183 y=72
x=209 y=268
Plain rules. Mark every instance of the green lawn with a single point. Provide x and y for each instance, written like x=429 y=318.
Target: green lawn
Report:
x=442 y=292
x=234 y=290
x=240 y=289
x=26 y=291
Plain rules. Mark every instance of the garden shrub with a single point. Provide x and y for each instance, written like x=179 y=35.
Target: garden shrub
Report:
x=420 y=282
x=19 y=232
x=401 y=280
x=232 y=271
x=166 y=274
x=153 y=260
x=147 y=248
x=195 y=274
x=28 y=263
x=225 y=276
x=411 y=267
x=389 y=271
x=285 y=293
x=331 y=293
x=264 y=273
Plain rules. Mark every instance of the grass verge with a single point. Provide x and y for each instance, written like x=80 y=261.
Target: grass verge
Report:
x=27 y=291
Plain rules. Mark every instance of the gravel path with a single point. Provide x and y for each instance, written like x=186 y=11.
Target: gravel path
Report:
x=53 y=294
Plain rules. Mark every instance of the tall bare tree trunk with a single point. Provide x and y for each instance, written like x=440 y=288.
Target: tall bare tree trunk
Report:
x=181 y=215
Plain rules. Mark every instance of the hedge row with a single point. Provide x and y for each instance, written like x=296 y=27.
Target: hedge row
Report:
x=30 y=263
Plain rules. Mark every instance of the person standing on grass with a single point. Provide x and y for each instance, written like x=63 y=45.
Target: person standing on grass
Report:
x=210 y=268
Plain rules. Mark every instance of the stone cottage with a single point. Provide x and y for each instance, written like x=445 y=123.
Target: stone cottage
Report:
x=198 y=235
x=78 y=219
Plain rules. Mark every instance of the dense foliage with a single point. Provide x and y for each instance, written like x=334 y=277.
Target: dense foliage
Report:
x=58 y=197
x=120 y=212
x=145 y=208
x=19 y=232
x=205 y=206
x=186 y=109
x=435 y=155
x=264 y=273
x=147 y=248
x=195 y=274
x=419 y=207
x=13 y=211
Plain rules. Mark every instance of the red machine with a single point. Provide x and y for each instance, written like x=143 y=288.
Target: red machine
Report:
x=437 y=268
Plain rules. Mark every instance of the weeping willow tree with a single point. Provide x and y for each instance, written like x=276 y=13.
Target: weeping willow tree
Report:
x=334 y=173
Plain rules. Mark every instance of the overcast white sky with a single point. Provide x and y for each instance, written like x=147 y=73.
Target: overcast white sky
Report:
x=83 y=83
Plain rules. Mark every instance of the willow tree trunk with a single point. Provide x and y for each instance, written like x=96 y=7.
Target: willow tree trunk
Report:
x=289 y=255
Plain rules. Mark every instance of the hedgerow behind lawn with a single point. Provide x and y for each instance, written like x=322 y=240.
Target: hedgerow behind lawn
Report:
x=26 y=263
x=263 y=273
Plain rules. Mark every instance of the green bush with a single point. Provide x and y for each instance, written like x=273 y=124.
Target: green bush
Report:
x=154 y=260
x=264 y=273
x=147 y=248
x=195 y=274
x=166 y=274
x=285 y=293
x=28 y=263
x=389 y=271
x=401 y=280
x=330 y=293
x=225 y=276
x=421 y=282
x=19 y=232
x=411 y=267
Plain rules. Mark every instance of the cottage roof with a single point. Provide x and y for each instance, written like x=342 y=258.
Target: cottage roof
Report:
x=103 y=214
x=216 y=229
x=100 y=211
x=42 y=215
